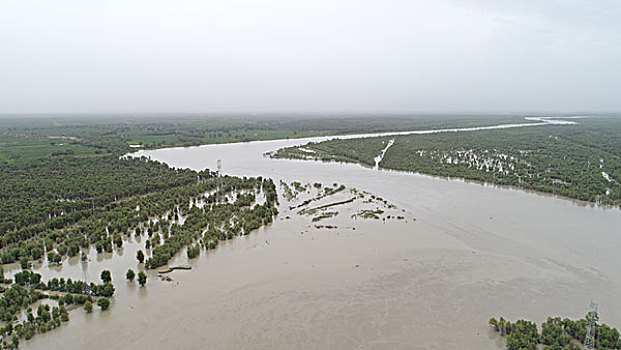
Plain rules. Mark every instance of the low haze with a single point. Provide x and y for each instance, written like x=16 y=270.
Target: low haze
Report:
x=309 y=56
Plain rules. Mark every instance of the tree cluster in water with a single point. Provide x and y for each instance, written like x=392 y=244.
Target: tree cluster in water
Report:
x=60 y=207
x=556 y=334
x=27 y=289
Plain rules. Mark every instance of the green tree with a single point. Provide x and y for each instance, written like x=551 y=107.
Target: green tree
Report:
x=118 y=241
x=523 y=336
x=130 y=275
x=88 y=306
x=106 y=277
x=64 y=315
x=103 y=303
x=23 y=261
x=107 y=290
x=140 y=256
x=142 y=278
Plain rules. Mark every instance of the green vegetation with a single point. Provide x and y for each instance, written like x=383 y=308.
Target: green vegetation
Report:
x=130 y=275
x=37 y=223
x=556 y=334
x=106 y=277
x=142 y=278
x=88 y=307
x=193 y=251
x=103 y=303
x=319 y=227
x=28 y=290
x=326 y=215
x=368 y=214
x=65 y=188
x=362 y=151
x=140 y=256
x=580 y=161
x=26 y=138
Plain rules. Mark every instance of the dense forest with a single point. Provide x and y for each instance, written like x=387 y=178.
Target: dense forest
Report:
x=556 y=334
x=581 y=161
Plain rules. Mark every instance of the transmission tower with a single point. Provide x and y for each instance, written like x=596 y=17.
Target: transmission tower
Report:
x=218 y=181
x=86 y=289
x=589 y=340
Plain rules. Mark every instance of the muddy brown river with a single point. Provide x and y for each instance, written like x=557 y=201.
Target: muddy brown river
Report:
x=473 y=252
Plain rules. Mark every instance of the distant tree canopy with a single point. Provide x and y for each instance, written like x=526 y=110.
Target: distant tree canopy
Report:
x=580 y=161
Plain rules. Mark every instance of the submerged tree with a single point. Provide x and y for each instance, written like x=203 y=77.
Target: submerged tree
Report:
x=140 y=256
x=106 y=277
x=88 y=306
x=142 y=278
x=130 y=275
x=103 y=303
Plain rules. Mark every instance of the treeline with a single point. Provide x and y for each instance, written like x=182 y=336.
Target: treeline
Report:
x=540 y=158
x=577 y=161
x=112 y=223
x=60 y=191
x=556 y=334
x=102 y=226
x=114 y=134
x=31 y=279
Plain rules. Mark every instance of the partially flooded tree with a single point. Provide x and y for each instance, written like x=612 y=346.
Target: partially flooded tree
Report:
x=130 y=275
x=142 y=278
x=88 y=306
x=106 y=276
x=140 y=256
x=103 y=303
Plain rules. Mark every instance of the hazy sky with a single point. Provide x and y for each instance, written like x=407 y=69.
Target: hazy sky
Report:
x=308 y=56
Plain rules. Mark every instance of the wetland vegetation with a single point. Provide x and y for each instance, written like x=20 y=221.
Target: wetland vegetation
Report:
x=581 y=161
x=334 y=197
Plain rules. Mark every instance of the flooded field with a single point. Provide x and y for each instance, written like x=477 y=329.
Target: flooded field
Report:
x=461 y=254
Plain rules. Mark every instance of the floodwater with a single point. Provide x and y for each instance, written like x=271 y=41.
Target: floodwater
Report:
x=473 y=252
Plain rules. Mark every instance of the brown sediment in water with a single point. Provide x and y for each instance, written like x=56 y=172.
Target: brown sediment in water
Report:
x=173 y=268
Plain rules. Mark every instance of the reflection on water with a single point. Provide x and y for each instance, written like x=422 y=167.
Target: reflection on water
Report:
x=472 y=253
